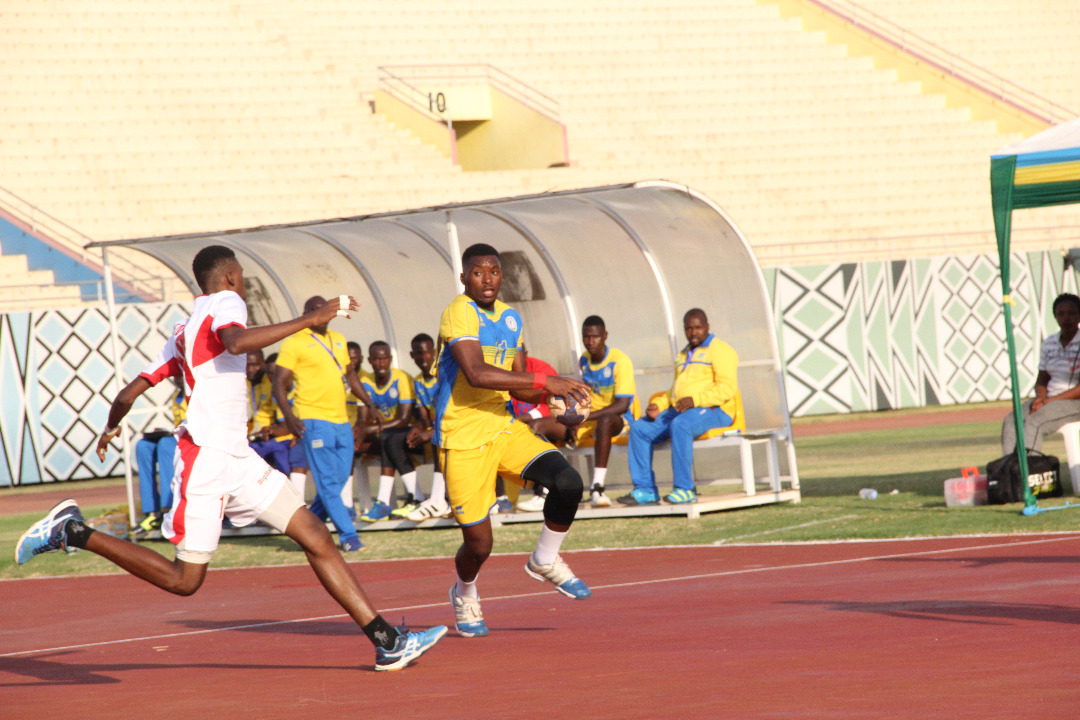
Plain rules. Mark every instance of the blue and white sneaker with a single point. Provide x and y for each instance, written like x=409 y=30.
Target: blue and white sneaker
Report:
x=561 y=576
x=379 y=511
x=468 y=619
x=409 y=646
x=352 y=544
x=640 y=496
x=48 y=534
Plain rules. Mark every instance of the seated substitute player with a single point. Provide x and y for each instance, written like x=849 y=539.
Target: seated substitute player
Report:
x=610 y=374
x=220 y=473
x=422 y=353
x=391 y=391
x=702 y=397
x=538 y=417
x=263 y=411
x=478 y=438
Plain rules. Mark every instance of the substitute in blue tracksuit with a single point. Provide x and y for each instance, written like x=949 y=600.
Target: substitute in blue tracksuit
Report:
x=703 y=397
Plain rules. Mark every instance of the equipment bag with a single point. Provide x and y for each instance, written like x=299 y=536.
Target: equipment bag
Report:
x=1003 y=478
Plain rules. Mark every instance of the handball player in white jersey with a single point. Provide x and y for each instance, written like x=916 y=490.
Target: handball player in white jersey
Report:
x=218 y=475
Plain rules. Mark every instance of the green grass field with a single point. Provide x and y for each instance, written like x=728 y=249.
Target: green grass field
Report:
x=913 y=462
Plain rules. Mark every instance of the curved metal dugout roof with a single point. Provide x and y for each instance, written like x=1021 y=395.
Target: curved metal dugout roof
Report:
x=638 y=255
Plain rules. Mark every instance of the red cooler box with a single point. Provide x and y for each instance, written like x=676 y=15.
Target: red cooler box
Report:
x=965 y=491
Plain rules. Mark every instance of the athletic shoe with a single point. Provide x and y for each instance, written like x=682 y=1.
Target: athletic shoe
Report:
x=407 y=507
x=640 y=497
x=533 y=504
x=598 y=498
x=502 y=505
x=468 y=619
x=352 y=544
x=430 y=508
x=409 y=646
x=48 y=534
x=561 y=576
x=149 y=524
x=379 y=511
x=681 y=497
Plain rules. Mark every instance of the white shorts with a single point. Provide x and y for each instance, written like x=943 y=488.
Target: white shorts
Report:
x=210 y=485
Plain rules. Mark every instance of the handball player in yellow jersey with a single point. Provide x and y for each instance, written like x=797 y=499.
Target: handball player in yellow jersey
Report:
x=479 y=369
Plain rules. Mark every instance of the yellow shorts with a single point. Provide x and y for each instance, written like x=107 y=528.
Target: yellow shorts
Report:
x=586 y=434
x=470 y=474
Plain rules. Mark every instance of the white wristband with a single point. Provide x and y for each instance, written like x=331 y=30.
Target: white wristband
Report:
x=343 y=309
x=535 y=414
x=109 y=430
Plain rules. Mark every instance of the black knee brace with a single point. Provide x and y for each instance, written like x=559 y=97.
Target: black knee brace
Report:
x=563 y=483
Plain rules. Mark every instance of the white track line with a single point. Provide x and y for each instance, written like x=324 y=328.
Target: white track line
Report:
x=726 y=573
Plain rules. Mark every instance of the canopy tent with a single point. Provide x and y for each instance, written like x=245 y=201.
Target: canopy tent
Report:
x=1040 y=171
x=638 y=255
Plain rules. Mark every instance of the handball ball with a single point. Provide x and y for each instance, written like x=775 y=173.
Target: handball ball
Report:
x=567 y=410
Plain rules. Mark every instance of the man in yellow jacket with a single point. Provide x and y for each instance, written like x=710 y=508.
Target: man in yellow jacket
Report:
x=703 y=397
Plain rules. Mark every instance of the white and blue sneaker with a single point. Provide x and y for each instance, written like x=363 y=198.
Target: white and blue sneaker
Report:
x=561 y=576
x=48 y=534
x=468 y=619
x=379 y=511
x=409 y=646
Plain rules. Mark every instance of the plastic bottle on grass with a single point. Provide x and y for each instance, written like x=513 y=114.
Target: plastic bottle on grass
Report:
x=868 y=494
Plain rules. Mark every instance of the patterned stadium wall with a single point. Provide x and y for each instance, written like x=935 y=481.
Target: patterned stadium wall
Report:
x=58 y=383
x=854 y=336
x=910 y=333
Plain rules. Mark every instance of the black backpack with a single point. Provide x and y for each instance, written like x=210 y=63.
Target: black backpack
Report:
x=1003 y=478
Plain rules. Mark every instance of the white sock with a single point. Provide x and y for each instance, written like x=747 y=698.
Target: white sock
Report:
x=438 y=488
x=598 y=475
x=298 y=480
x=347 y=493
x=466 y=589
x=547 y=547
x=386 y=488
x=412 y=486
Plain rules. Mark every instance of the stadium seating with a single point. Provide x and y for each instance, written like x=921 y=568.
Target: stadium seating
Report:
x=140 y=118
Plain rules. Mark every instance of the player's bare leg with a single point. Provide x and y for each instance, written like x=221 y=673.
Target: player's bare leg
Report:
x=333 y=572
x=607 y=427
x=175 y=576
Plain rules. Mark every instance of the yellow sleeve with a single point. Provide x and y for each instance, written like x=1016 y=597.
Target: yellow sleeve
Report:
x=725 y=373
x=624 y=376
x=459 y=320
x=287 y=355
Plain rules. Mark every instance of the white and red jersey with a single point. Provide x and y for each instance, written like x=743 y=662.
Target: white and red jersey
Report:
x=215 y=381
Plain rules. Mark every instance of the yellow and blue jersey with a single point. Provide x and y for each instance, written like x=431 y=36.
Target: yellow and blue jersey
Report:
x=708 y=374
x=318 y=366
x=397 y=391
x=263 y=409
x=468 y=417
x=424 y=391
x=611 y=378
x=352 y=403
x=178 y=404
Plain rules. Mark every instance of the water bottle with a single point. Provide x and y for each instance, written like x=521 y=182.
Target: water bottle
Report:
x=868 y=494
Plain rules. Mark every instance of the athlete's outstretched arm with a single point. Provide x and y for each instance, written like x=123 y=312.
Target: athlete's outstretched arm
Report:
x=238 y=340
x=119 y=410
x=480 y=374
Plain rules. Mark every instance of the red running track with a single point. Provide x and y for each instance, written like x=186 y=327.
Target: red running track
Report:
x=950 y=628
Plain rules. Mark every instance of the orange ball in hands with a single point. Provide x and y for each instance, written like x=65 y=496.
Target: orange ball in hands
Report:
x=567 y=410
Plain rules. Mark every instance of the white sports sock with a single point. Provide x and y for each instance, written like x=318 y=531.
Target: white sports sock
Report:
x=598 y=475
x=547 y=547
x=438 y=487
x=467 y=589
x=347 y=493
x=412 y=486
x=298 y=479
x=386 y=489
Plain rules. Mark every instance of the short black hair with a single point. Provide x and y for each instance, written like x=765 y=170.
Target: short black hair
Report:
x=377 y=344
x=695 y=311
x=1066 y=297
x=594 y=321
x=422 y=337
x=271 y=358
x=477 y=250
x=207 y=261
x=351 y=345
